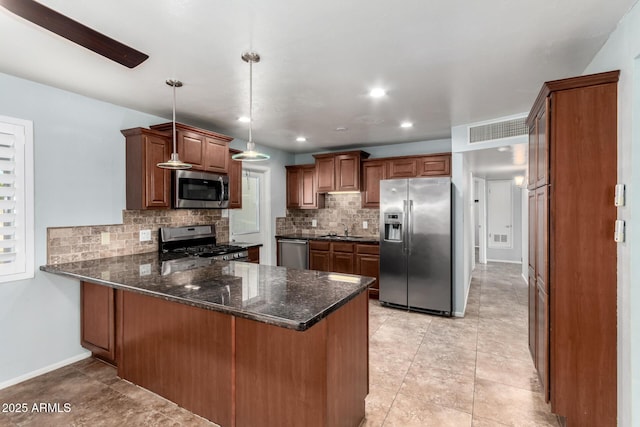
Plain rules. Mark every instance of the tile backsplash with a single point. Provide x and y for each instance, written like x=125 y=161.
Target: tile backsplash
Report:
x=68 y=244
x=339 y=209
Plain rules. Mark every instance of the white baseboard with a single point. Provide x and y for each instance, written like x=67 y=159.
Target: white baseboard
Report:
x=525 y=278
x=502 y=260
x=44 y=370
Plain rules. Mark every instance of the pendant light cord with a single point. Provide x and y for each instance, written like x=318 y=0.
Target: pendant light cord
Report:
x=250 y=98
x=174 y=118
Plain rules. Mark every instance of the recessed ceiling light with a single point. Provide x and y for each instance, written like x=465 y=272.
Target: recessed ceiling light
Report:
x=406 y=124
x=243 y=119
x=341 y=129
x=503 y=149
x=377 y=92
x=301 y=139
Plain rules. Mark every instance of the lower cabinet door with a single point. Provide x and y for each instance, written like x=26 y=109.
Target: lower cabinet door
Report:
x=342 y=262
x=319 y=260
x=542 y=340
x=97 y=320
x=533 y=299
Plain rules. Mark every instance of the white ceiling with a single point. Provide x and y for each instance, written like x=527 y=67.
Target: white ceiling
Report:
x=443 y=62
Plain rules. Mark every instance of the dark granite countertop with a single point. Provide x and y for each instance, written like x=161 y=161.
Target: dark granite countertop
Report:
x=352 y=239
x=285 y=297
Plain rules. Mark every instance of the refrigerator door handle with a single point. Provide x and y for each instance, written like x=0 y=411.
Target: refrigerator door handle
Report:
x=404 y=226
x=410 y=231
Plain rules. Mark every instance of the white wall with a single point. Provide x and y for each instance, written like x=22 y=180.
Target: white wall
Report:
x=390 y=150
x=463 y=248
x=621 y=51
x=79 y=180
x=514 y=254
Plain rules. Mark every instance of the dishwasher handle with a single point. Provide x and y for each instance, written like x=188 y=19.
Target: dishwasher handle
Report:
x=296 y=242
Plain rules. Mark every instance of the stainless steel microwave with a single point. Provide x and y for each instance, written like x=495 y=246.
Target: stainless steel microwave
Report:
x=200 y=190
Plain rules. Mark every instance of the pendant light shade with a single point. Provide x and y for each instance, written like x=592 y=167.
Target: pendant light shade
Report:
x=174 y=162
x=250 y=154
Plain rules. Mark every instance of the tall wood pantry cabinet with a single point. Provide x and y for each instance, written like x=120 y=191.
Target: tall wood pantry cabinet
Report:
x=572 y=254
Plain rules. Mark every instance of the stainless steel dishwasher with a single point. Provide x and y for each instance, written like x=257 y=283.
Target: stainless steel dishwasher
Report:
x=293 y=253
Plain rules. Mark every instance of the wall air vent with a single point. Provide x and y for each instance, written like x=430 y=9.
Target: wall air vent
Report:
x=498 y=130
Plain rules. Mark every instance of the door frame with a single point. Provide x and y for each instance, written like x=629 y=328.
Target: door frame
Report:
x=266 y=252
x=482 y=219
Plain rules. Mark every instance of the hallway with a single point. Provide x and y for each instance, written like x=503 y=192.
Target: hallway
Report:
x=476 y=370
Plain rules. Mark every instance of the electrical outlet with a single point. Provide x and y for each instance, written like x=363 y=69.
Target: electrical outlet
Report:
x=225 y=213
x=145 y=235
x=105 y=238
x=314 y=222
x=145 y=269
x=365 y=225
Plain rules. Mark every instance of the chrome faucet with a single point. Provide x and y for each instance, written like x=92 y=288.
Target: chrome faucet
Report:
x=346 y=229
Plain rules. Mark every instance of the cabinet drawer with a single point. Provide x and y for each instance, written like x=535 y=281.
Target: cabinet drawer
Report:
x=318 y=245
x=342 y=247
x=368 y=249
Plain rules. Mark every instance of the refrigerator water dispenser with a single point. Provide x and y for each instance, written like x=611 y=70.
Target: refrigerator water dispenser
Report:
x=393 y=226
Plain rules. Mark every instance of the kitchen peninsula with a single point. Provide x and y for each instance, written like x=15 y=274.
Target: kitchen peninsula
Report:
x=240 y=344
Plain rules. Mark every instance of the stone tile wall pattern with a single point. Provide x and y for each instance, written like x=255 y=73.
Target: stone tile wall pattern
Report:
x=339 y=209
x=68 y=244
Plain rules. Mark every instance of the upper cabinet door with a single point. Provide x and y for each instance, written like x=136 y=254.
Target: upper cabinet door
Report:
x=235 y=182
x=325 y=174
x=293 y=187
x=533 y=156
x=307 y=181
x=347 y=172
x=434 y=166
x=189 y=145
x=372 y=173
x=402 y=168
x=216 y=155
x=542 y=157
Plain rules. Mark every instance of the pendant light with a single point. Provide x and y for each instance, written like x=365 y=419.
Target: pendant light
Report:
x=174 y=162
x=250 y=154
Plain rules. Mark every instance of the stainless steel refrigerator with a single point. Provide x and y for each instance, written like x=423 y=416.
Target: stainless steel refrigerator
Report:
x=415 y=244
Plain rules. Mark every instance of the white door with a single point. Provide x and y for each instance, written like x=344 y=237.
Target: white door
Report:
x=251 y=223
x=500 y=214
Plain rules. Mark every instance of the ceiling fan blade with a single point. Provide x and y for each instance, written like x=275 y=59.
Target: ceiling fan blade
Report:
x=75 y=31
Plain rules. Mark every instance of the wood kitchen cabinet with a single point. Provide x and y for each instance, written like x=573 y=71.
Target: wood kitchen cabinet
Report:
x=203 y=149
x=147 y=186
x=235 y=182
x=437 y=165
x=367 y=263
x=254 y=254
x=339 y=171
x=373 y=171
x=301 y=188
x=97 y=320
x=402 y=167
x=325 y=173
x=319 y=255
x=348 y=258
x=342 y=257
x=572 y=254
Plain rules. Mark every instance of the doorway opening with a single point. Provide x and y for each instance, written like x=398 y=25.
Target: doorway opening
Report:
x=251 y=223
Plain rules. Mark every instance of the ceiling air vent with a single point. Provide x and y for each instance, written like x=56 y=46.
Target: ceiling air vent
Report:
x=498 y=130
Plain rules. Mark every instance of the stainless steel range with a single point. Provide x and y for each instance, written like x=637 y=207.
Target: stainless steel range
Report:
x=184 y=248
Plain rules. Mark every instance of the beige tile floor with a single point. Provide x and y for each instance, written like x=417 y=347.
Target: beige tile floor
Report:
x=424 y=371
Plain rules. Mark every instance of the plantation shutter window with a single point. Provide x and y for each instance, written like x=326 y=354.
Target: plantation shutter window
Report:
x=16 y=199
